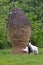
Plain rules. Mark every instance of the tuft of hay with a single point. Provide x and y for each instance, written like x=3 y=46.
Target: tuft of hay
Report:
x=18 y=29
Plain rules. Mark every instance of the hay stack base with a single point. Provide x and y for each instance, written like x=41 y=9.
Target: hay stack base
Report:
x=18 y=29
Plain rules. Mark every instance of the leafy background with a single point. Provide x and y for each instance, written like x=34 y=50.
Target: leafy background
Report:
x=33 y=10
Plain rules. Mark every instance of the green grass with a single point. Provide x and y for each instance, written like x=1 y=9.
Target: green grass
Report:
x=6 y=58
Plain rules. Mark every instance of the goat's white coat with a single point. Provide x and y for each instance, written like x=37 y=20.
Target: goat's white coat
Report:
x=34 y=48
x=26 y=50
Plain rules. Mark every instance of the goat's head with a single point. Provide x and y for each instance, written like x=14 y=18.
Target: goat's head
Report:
x=30 y=44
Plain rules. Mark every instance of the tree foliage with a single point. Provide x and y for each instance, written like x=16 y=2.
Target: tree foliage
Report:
x=33 y=10
x=5 y=6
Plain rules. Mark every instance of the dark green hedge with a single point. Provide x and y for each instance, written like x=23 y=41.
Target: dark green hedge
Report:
x=33 y=10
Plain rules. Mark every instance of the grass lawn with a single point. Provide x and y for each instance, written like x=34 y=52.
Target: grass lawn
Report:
x=6 y=58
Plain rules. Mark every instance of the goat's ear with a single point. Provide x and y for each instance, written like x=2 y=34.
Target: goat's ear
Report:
x=29 y=43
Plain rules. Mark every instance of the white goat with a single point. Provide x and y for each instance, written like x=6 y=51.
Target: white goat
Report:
x=34 y=48
x=26 y=50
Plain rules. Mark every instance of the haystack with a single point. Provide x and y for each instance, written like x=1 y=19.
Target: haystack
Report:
x=18 y=29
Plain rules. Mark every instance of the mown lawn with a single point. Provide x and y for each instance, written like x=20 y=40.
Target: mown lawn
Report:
x=6 y=58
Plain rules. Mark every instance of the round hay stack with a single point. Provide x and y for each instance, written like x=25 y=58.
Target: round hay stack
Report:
x=18 y=29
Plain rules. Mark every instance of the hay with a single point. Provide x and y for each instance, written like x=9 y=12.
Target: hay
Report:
x=18 y=29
